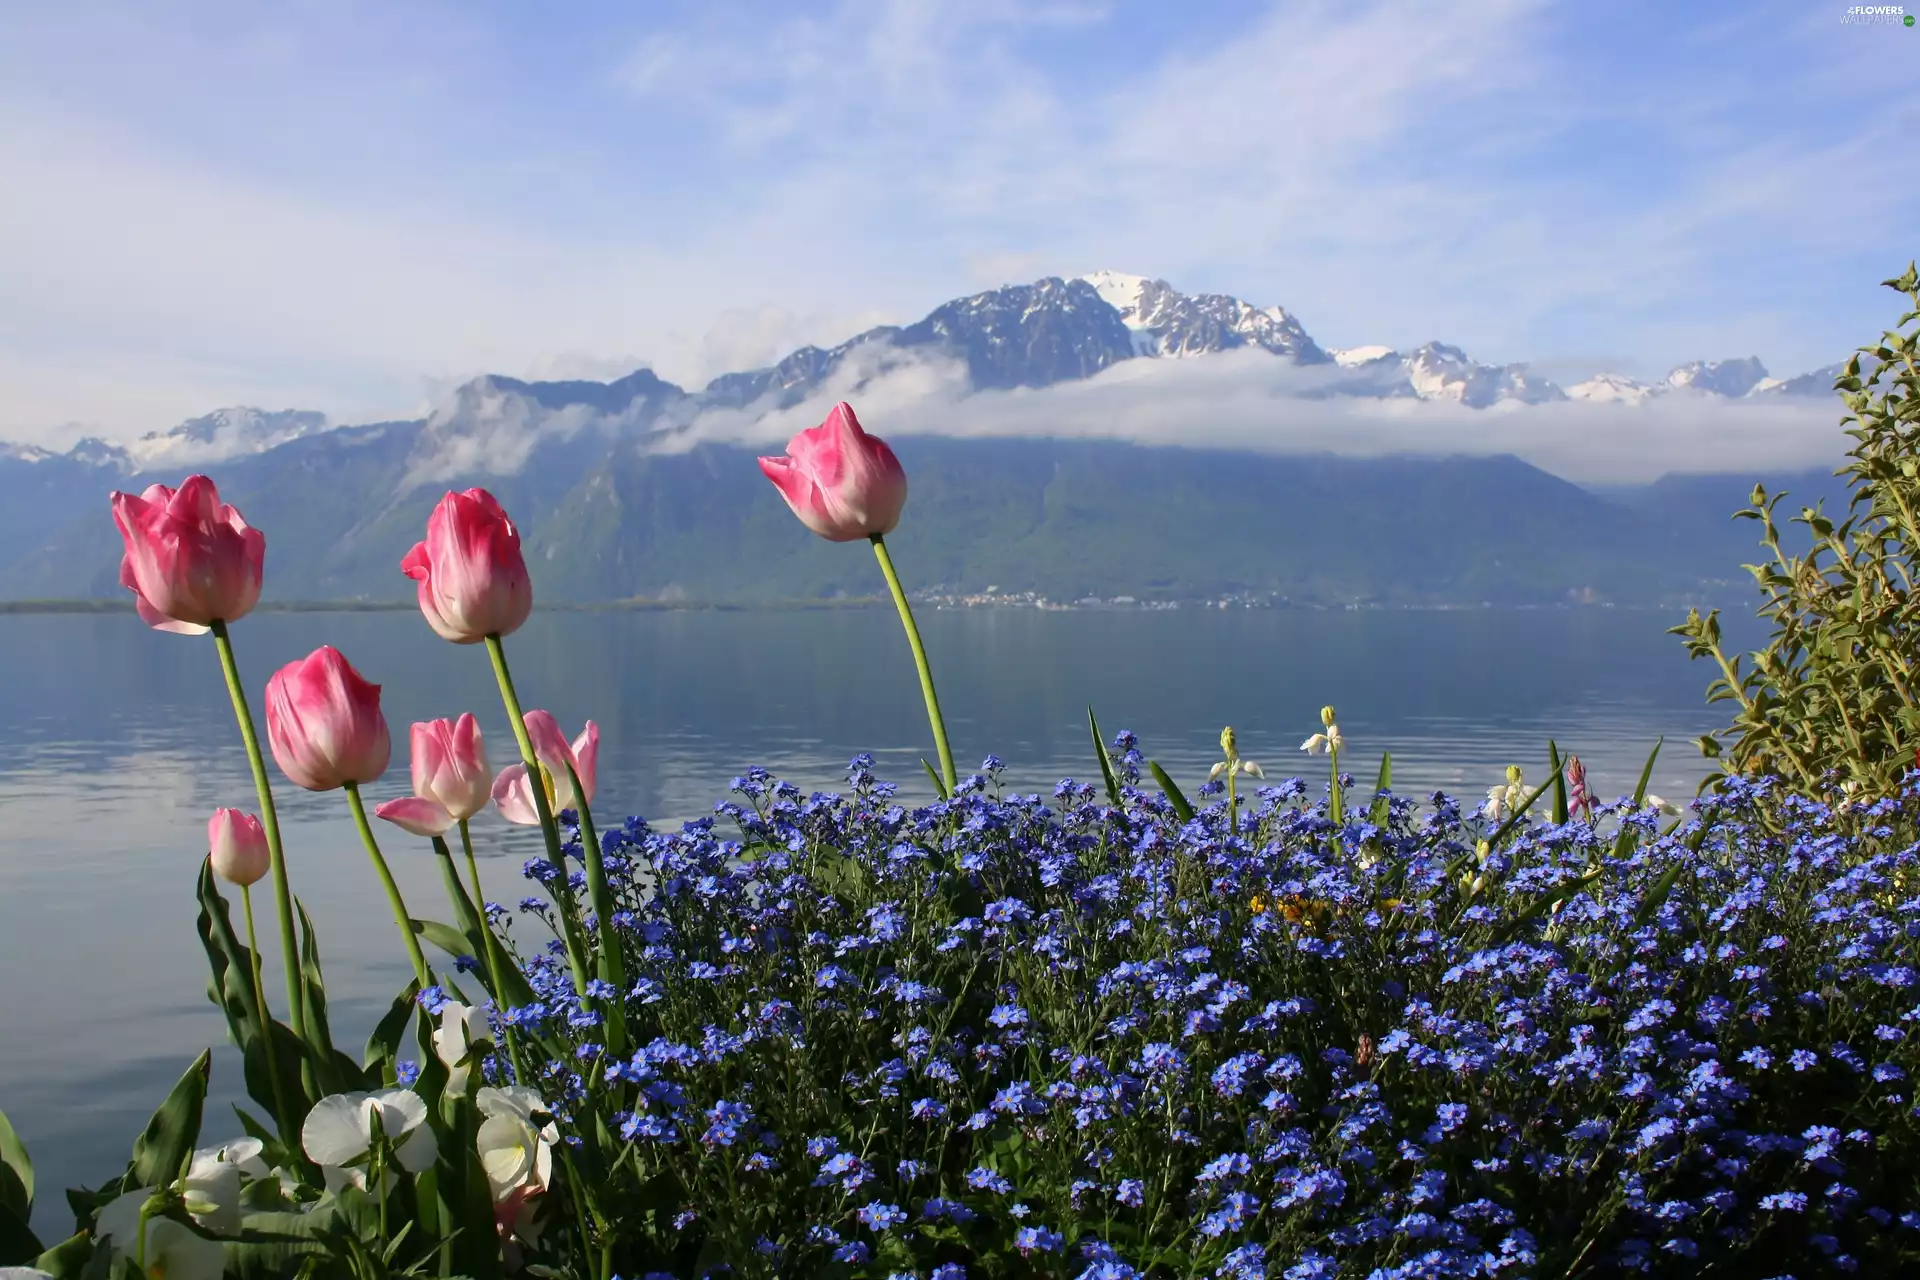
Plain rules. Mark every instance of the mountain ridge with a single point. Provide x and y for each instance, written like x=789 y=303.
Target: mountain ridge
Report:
x=1057 y=329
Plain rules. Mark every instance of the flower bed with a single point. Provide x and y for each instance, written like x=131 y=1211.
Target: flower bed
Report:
x=1094 y=1039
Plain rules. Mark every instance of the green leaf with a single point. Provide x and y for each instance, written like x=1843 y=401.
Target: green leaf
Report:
x=1656 y=894
x=1106 y=761
x=337 y=1072
x=66 y=1260
x=1624 y=842
x=272 y=1245
x=933 y=776
x=1378 y=814
x=449 y=939
x=1174 y=796
x=231 y=962
x=1544 y=903
x=19 y=1247
x=253 y=1062
x=159 y=1152
x=16 y=1171
x=383 y=1046
x=1559 y=783
x=253 y=1128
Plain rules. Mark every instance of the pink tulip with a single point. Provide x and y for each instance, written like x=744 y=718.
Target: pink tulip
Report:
x=473 y=579
x=451 y=781
x=238 y=844
x=190 y=560
x=843 y=483
x=514 y=793
x=324 y=722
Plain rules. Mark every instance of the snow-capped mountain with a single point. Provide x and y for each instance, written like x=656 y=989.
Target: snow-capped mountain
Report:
x=1725 y=379
x=223 y=434
x=1019 y=336
x=1613 y=388
x=1718 y=377
x=1166 y=322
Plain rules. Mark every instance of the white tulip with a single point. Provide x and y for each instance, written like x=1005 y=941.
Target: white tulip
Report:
x=338 y=1134
x=462 y=1029
x=174 y=1251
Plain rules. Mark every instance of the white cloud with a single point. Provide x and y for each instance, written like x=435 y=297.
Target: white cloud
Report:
x=1249 y=400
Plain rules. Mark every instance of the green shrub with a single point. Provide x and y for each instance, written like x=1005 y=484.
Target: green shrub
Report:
x=1829 y=704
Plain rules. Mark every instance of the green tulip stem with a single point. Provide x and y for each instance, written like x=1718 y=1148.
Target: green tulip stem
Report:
x=612 y=966
x=400 y=916
x=919 y=661
x=493 y=957
x=282 y=893
x=549 y=827
x=289 y=1131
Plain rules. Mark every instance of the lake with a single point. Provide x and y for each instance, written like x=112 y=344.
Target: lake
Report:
x=119 y=742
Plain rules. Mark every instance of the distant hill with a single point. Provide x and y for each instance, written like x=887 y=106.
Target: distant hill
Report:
x=1062 y=518
x=616 y=501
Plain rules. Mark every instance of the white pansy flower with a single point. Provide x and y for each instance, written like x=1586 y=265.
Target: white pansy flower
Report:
x=338 y=1134
x=174 y=1251
x=212 y=1186
x=462 y=1027
x=515 y=1148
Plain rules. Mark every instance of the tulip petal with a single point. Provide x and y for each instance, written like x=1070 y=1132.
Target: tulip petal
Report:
x=586 y=758
x=422 y=817
x=513 y=795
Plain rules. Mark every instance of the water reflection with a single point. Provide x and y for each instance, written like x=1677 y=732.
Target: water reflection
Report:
x=119 y=743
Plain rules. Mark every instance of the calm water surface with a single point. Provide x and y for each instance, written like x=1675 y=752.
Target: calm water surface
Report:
x=118 y=742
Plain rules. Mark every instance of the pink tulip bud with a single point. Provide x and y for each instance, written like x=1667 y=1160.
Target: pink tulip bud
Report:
x=1579 y=799
x=190 y=560
x=514 y=793
x=324 y=722
x=451 y=781
x=238 y=844
x=843 y=483
x=473 y=578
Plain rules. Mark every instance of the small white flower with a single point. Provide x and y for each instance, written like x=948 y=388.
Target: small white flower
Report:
x=1316 y=745
x=1662 y=806
x=1334 y=740
x=1251 y=769
x=174 y=1251
x=338 y=1134
x=1219 y=767
x=462 y=1028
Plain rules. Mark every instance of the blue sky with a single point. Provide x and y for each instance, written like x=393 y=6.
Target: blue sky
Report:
x=352 y=206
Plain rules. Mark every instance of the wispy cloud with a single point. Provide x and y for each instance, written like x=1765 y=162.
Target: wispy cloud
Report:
x=348 y=206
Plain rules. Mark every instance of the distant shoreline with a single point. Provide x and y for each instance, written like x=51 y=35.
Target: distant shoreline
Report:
x=941 y=604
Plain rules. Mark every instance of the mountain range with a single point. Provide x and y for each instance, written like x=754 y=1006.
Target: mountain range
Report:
x=620 y=497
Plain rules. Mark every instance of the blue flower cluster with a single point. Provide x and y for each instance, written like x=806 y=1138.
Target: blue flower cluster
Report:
x=1085 y=1037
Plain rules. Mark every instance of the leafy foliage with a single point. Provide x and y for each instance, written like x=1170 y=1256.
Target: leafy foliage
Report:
x=1833 y=701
